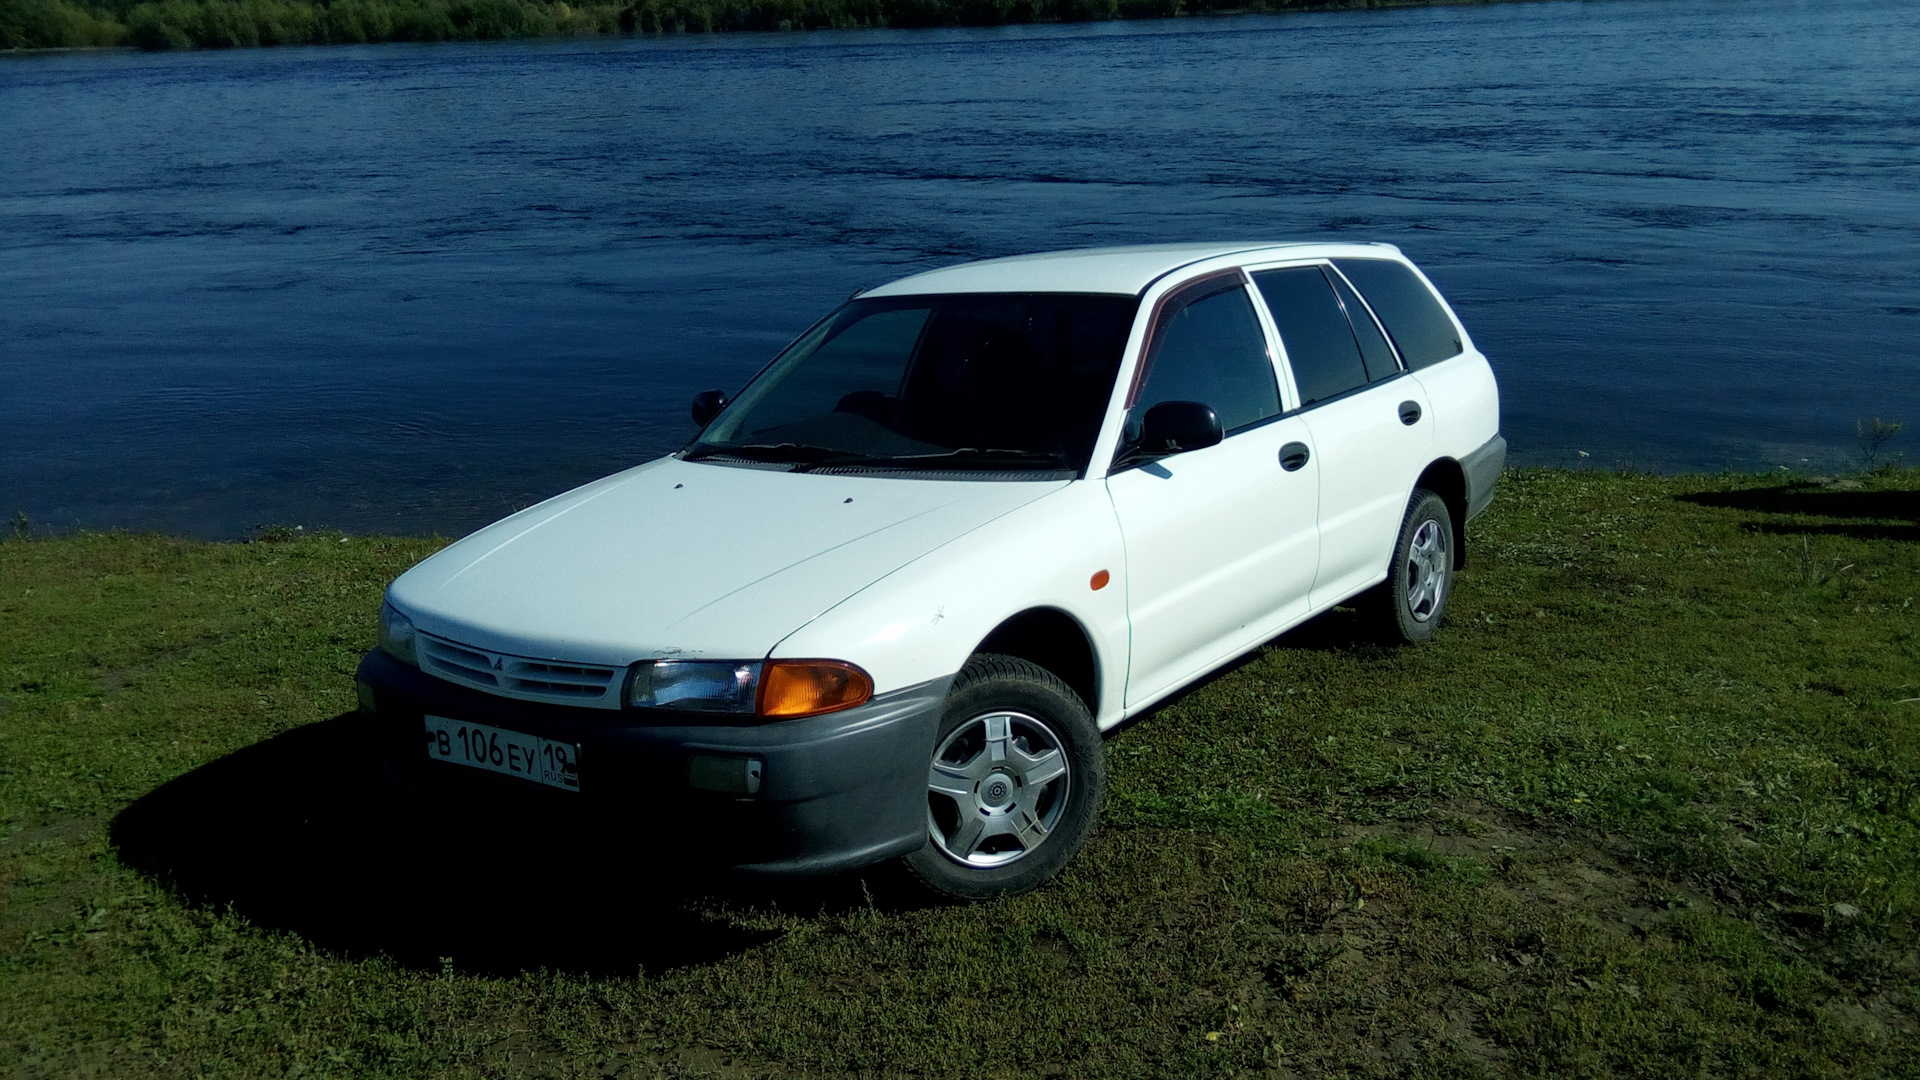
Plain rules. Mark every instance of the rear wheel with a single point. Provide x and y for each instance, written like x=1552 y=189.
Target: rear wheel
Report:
x=1014 y=782
x=1414 y=598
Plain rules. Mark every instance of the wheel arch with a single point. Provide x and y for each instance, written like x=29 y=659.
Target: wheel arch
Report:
x=1448 y=480
x=1054 y=640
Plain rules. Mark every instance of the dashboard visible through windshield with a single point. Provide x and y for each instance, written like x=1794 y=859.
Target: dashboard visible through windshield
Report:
x=980 y=381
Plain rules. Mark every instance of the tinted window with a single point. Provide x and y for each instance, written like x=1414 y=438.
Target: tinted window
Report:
x=1320 y=346
x=1373 y=347
x=922 y=377
x=1212 y=351
x=1419 y=325
x=861 y=360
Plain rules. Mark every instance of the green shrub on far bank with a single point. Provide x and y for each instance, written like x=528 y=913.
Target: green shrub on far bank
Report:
x=713 y=15
x=219 y=24
x=46 y=24
x=225 y=24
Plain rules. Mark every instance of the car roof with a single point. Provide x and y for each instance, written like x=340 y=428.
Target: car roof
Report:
x=1125 y=270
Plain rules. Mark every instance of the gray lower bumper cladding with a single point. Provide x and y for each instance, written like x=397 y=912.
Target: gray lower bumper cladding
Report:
x=798 y=797
x=1483 y=471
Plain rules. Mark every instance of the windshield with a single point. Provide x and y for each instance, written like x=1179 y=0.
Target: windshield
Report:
x=998 y=381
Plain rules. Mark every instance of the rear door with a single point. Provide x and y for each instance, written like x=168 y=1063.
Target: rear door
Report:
x=1433 y=346
x=1221 y=544
x=1369 y=421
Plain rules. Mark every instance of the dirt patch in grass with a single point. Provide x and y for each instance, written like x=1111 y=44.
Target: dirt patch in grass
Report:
x=34 y=897
x=60 y=829
x=1560 y=868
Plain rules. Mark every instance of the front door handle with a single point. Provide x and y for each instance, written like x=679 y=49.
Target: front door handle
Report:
x=1409 y=413
x=1293 y=456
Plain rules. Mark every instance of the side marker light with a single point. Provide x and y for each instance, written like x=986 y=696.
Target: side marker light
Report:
x=1100 y=579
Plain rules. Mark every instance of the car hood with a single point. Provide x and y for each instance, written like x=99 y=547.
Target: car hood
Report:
x=677 y=558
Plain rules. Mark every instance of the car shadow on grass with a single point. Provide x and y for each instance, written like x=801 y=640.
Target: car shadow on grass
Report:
x=1352 y=630
x=1865 y=515
x=298 y=833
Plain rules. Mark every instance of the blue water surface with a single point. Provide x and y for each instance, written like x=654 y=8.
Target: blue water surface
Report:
x=412 y=288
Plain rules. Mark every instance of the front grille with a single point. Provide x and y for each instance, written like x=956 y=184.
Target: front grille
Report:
x=520 y=676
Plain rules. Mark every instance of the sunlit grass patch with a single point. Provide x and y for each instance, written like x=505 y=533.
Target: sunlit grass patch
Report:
x=1650 y=806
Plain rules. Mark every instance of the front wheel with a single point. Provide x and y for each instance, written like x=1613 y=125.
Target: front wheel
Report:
x=1014 y=782
x=1415 y=596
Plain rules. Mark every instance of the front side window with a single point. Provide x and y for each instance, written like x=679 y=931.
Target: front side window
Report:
x=1001 y=381
x=1211 y=350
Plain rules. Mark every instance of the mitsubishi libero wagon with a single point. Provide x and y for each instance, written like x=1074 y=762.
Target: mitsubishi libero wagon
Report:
x=885 y=603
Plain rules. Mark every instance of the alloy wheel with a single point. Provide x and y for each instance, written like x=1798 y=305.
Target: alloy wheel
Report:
x=996 y=788
x=1426 y=570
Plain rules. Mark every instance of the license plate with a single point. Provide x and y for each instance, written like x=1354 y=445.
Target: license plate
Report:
x=529 y=757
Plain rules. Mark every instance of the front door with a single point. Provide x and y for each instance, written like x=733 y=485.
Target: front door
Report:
x=1221 y=542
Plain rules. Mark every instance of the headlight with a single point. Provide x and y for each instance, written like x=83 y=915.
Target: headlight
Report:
x=723 y=686
x=396 y=635
x=775 y=689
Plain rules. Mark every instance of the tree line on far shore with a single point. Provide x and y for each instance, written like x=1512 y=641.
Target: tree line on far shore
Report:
x=220 y=24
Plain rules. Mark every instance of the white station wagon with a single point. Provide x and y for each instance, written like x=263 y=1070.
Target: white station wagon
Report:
x=885 y=603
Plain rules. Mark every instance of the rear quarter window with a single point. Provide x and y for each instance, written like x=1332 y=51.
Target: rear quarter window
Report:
x=1415 y=320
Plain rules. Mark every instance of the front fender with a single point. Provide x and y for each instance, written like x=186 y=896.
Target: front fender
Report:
x=922 y=621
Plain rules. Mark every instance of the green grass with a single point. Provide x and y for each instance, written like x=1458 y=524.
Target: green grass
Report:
x=1650 y=806
x=223 y=24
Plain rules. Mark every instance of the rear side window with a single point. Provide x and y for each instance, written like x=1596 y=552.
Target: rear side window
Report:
x=1212 y=351
x=1373 y=346
x=1416 y=321
x=1321 y=349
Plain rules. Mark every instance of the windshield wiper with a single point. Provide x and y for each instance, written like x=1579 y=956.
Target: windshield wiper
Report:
x=965 y=457
x=805 y=457
x=795 y=453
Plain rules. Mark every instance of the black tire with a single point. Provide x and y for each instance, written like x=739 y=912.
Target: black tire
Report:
x=997 y=826
x=1420 y=578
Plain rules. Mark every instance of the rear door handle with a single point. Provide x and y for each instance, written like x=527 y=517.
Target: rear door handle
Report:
x=1293 y=456
x=1409 y=413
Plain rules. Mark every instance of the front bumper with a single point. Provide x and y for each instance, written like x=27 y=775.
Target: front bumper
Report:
x=835 y=792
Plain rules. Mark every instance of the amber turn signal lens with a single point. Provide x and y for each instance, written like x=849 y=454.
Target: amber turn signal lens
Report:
x=1100 y=579
x=790 y=689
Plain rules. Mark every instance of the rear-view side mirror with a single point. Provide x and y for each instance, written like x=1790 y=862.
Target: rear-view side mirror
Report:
x=1174 y=427
x=707 y=405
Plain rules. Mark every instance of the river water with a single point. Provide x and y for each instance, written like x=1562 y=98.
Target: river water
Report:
x=411 y=288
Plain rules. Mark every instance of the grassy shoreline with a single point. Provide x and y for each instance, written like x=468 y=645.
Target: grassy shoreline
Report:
x=1649 y=807
x=220 y=24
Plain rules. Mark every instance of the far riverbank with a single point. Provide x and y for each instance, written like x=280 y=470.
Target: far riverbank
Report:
x=224 y=24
